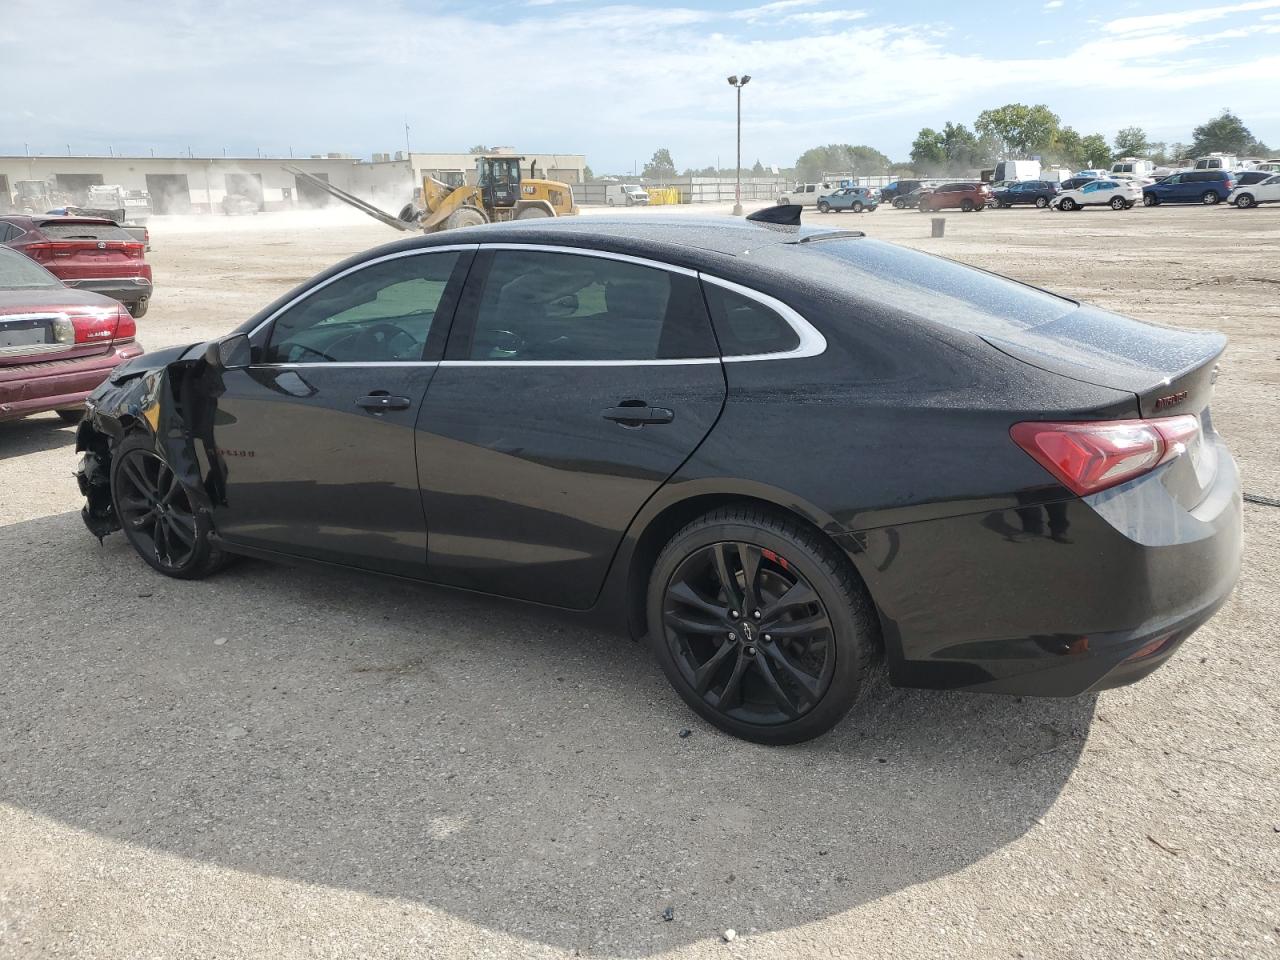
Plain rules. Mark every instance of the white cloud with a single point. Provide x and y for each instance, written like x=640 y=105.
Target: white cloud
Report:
x=611 y=81
x=1053 y=4
x=1185 y=18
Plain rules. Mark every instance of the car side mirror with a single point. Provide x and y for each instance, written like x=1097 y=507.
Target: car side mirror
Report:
x=229 y=352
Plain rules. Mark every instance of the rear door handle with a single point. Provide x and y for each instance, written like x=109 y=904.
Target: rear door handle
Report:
x=381 y=400
x=638 y=414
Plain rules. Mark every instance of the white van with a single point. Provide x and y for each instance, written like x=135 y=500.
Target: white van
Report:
x=1013 y=170
x=806 y=194
x=1132 y=167
x=1217 y=161
x=627 y=194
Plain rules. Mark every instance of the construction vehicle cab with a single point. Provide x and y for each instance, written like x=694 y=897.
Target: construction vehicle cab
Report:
x=499 y=181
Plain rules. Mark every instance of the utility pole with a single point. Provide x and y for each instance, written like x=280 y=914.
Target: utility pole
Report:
x=737 y=190
x=407 y=151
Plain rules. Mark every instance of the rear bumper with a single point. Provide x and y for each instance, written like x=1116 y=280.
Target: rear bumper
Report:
x=57 y=384
x=124 y=289
x=1057 y=599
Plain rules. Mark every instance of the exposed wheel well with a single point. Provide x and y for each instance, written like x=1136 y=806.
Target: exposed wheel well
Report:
x=670 y=521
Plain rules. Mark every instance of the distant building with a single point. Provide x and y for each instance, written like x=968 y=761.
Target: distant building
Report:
x=199 y=184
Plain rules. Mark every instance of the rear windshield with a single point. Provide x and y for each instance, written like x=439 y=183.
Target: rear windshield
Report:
x=940 y=290
x=62 y=230
x=17 y=272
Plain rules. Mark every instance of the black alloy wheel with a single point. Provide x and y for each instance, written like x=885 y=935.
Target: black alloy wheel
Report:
x=761 y=625
x=157 y=514
x=155 y=509
x=750 y=635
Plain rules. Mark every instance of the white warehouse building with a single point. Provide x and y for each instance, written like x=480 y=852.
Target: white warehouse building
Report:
x=179 y=185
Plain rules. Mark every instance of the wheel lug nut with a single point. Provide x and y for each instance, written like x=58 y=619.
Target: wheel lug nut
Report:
x=751 y=651
x=768 y=638
x=756 y=614
x=732 y=635
x=733 y=614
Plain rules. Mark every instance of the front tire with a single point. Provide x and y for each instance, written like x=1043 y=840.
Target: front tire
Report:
x=465 y=217
x=159 y=518
x=824 y=207
x=760 y=624
x=1150 y=200
x=1244 y=201
x=1067 y=204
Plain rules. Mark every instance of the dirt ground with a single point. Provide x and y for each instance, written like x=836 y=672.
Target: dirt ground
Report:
x=296 y=763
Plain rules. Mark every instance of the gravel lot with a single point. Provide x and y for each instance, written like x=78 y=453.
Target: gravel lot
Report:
x=291 y=763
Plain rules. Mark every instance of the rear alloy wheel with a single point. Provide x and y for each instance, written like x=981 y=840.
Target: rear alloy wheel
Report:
x=157 y=514
x=1150 y=200
x=899 y=203
x=761 y=626
x=1209 y=198
x=1042 y=202
x=1117 y=203
x=824 y=207
x=1244 y=201
x=857 y=206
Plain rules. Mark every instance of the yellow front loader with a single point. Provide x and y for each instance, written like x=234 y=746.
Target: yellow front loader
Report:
x=500 y=193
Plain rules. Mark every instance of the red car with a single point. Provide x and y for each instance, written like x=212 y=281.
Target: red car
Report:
x=85 y=253
x=56 y=344
x=964 y=196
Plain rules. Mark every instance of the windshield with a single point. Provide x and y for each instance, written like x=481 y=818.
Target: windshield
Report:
x=74 y=230
x=17 y=272
x=941 y=290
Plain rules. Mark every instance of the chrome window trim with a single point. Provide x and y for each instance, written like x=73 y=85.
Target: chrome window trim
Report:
x=812 y=342
x=417 y=251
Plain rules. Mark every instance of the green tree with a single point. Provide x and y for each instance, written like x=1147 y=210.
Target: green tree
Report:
x=1067 y=148
x=478 y=149
x=1132 y=142
x=1095 y=151
x=928 y=151
x=859 y=160
x=963 y=149
x=1225 y=133
x=587 y=174
x=757 y=169
x=1019 y=129
x=661 y=166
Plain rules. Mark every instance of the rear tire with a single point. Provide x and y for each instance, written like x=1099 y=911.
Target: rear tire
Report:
x=1117 y=203
x=899 y=203
x=733 y=671
x=138 y=310
x=966 y=206
x=1209 y=198
x=1042 y=202
x=159 y=518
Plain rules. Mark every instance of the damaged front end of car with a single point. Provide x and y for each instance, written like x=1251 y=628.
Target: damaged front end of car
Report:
x=171 y=398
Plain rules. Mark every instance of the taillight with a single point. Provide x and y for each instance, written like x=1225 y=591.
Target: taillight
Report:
x=39 y=252
x=126 y=326
x=1088 y=457
x=134 y=250
x=96 y=327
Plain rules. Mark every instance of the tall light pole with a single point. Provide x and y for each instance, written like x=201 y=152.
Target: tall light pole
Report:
x=737 y=190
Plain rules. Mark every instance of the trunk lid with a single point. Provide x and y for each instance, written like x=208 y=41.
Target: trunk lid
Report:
x=59 y=325
x=87 y=250
x=1170 y=371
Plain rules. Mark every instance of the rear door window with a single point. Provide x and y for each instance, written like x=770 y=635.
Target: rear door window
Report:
x=564 y=307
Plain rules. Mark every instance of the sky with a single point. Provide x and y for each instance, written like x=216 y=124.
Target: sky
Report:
x=613 y=81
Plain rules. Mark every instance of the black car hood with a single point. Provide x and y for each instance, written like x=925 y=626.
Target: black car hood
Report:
x=153 y=361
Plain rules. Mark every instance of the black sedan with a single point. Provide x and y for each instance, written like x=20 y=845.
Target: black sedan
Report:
x=777 y=453
x=1038 y=193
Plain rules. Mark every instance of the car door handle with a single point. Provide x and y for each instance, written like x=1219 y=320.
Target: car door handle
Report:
x=637 y=414
x=380 y=400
